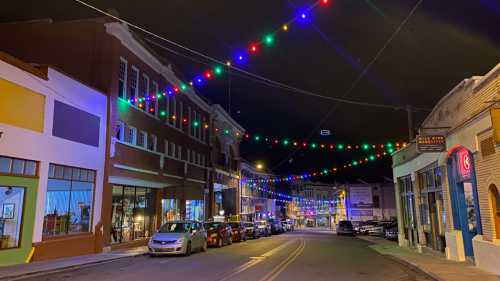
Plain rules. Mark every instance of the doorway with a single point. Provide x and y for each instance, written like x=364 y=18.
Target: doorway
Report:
x=495 y=209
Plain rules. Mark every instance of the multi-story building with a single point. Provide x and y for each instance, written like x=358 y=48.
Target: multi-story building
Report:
x=256 y=203
x=225 y=177
x=158 y=139
x=448 y=200
x=314 y=202
x=52 y=151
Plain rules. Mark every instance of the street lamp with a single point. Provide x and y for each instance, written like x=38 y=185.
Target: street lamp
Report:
x=259 y=166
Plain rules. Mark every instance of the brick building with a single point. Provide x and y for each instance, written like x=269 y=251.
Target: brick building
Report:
x=158 y=141
x=448 y=201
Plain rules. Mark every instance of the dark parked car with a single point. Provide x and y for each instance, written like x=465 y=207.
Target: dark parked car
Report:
x=252 y=230
x=276 y=226
x=238 y=231
x=392 y=233
x=218 y=234
x=345 y=228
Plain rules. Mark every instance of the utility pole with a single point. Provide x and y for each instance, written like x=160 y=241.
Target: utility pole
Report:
x=411 y=133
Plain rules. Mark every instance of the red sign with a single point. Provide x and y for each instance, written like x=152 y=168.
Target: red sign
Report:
x=464 y=164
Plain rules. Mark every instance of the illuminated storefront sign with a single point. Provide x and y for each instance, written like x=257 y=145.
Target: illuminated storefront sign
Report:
x=429 y=144
x=464 y=164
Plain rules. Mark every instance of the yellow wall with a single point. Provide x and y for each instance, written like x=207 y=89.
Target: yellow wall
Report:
x=21 y=107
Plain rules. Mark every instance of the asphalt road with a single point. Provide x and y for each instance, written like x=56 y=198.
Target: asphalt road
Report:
x=298 y=256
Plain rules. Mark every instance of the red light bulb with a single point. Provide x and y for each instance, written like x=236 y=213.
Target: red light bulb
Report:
x=253 y=48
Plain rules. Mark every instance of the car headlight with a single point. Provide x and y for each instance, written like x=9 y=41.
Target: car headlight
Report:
x=180 y=240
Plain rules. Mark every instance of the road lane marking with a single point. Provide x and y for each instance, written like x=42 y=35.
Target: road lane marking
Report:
x=256 y=260
x=284 y=264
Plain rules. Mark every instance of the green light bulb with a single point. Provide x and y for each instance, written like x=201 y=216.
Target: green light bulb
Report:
x=286 y=142
x=183 y=87
x=218 y=70
x=313 y=145
x=390 y=150
x=325 y=171
x=355 y=163
x=158 y=96
x=226 y=131
x=196 y=123
x=366 y=146
x=163 y=113
x=340 y=146
x=372 y=158
x=256 y=138
x=269 y=39
x=389 y=144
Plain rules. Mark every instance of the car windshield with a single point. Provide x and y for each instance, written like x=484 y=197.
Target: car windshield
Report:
x=234 y=225
x=345 y=223
x=175 y=227
x=248 y=224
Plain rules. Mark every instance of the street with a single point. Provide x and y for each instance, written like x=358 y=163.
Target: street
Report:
x=301 y=255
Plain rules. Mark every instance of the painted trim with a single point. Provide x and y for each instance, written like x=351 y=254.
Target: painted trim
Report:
x=197 y=181
x=226 y=173
x=129 y=168
x=135 y=182
x=173 y=176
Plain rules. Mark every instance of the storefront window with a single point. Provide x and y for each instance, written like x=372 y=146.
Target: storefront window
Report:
x=194 y=210
x=132 y=213
x=68 y=204
x=170 y=210
x=11 y=216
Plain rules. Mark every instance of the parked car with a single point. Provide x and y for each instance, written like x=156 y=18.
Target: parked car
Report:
x=380 y=227
x=287 y=225
x=276 y=226
x=391 y=233
x=365 y=226
x=178 y=237
x=252 y=230
x=218 y=234
x=345 y=228
x=264 y=228
x=238 y=231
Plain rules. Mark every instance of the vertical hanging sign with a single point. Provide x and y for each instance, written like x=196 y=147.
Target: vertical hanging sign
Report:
x=495 y=123
x=464 y=164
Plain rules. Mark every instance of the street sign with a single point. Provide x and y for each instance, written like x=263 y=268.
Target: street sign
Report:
x=429 y=144
x=325 y=132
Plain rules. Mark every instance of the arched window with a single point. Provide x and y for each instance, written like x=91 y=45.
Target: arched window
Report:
x=495 y=209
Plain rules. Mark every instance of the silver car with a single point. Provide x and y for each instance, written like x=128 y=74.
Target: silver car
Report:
x=178 y=237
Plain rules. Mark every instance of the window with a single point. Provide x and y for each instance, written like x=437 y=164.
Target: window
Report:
x=145 y=91
x=190 y=120
x=179 y=152
x=152 y=143
x=194 y=210
x=134 y=83
x=188 y=155
x=204 y=132
x=131 y=135
x=142 y=139
x=132 y=213
x=172 y=111
x=181 y=113
x=154 y=104
x=122 y=79
x=170 y=210
x=68 y=204
x=120 y=131
x=19 y=167
x=172 y=150
x=11 y=216
x=166 y=147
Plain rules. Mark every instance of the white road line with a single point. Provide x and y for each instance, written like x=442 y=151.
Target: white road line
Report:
x=284 y=264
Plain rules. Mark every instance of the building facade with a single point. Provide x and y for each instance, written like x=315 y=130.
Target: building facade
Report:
x=255 y=203
x=225 y=155
x=157 y=146
x=52 y=151
x=314 y=203
x=447 y=201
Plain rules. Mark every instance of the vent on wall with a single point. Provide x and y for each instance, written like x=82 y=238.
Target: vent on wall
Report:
x=487 y=147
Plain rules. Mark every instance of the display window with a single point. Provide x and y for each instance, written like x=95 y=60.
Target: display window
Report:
x=11 y=216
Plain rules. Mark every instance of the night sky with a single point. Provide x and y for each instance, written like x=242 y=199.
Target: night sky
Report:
x=443 y=43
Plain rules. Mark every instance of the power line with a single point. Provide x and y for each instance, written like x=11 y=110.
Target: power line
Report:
x=256 y=77
x=356 y=81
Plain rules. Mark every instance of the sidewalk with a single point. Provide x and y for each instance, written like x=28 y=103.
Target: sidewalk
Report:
x=435 y=266
x=43 y=267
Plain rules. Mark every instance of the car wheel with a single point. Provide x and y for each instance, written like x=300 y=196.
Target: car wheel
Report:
x=205 y=246
x=188 y=249
x=219 y=242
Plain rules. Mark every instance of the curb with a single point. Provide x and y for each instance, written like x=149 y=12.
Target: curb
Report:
x=413 y=267
x=65 y=268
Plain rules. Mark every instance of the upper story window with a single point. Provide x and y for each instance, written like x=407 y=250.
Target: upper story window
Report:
x=134 y=83
x=120 y=130
x=153 y=105
x=131 y=135
x=152 y=142
x=122 y=79
x=204 y=132
x=142 y=139
x=179 y=152
x=20 y=167
x=144 y=92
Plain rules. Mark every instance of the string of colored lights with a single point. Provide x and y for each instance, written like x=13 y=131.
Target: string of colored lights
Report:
x=321 y=173
x=267 y=40
x=290 y=142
